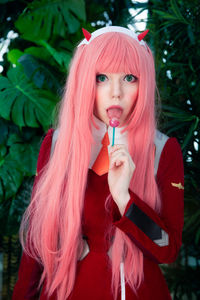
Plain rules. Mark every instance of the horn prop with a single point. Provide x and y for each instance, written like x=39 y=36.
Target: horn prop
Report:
x=142 y=35
x=87 y=34
x=90 y=37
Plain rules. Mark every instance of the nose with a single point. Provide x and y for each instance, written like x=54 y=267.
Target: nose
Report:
x=116 y=89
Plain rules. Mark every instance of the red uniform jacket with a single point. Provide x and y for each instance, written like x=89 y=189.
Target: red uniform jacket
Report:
x=158 y=236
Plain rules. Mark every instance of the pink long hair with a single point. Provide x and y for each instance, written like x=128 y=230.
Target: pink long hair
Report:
x=54 y=215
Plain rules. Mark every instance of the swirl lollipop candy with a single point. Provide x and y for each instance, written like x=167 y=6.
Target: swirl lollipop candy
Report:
x=114 y=122
x=114 y=114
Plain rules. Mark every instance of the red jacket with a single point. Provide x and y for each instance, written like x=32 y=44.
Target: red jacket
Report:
x=158 y=236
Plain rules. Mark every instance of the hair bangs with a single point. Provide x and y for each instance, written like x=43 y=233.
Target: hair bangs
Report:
x=117 y=54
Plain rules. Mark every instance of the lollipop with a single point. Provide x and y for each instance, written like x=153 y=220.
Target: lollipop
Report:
x=114 y=114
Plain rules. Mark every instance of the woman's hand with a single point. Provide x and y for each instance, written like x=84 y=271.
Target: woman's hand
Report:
x=121 y=170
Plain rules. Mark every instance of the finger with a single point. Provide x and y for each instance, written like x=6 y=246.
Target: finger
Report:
x=119 y=151
x=121 y=148
x=118 y=155
x=117 y=147
x=116 y=163
x=119 y=159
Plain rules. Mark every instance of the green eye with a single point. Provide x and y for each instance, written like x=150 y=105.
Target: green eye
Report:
x=101 y=78
x=130 y=78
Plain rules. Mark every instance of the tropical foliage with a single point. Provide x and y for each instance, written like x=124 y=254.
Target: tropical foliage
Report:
x=175 y=26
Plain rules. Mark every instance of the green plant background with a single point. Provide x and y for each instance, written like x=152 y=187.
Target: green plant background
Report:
x=31 y=84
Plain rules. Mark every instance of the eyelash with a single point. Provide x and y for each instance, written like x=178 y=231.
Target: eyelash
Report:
x=98 y=76
x=134 y=77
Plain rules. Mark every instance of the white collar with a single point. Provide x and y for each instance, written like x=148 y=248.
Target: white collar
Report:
x=98 y=134
x=120 y=138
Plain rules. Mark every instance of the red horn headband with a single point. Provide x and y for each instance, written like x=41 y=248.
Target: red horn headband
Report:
x=142 y=35
x=87 y=34
x=89 y=37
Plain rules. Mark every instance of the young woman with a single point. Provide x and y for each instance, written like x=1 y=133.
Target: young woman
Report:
x=99 y=224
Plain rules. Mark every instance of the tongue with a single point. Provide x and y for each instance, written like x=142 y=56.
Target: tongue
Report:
x=114 y=112
x=114 y=115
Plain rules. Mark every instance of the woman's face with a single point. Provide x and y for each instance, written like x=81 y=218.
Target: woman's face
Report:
x=115 y=89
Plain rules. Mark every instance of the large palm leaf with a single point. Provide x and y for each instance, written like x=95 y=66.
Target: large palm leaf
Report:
x=23 y=103
x=17 y=163
x=43 y=18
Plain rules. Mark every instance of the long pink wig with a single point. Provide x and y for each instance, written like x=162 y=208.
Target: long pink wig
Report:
x=52 y=222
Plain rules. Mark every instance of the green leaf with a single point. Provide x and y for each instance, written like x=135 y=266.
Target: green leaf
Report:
x=26 y=154
x=177 y=12
x=78 y=8
x=22 y=103
x=175 y=128
x=72 y=22
x=19 y=162
x=62 y=58
x=172 y=108
x=4 y=132
x=15 y=208
x=11 y=178
x=39 y=72
x=177 y=113
x=165 y=15
x=193 y=127
x=39 y=52
x=43 y=18
x=13 y=138
x=192 y=220
x=191 y=35
x=171 y=18
x=3 y=151
x=13 y=56
x=197 y=237
x=183 y=117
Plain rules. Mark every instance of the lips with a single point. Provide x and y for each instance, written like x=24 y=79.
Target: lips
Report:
x=114 y=111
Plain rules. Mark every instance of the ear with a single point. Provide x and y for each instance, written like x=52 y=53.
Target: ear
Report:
x=87 y=34
x=142 y=35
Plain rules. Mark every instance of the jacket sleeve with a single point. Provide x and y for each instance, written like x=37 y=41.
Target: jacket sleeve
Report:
x=30 y=270
x=158 y=235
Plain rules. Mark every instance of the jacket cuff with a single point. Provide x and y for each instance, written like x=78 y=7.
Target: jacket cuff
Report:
x=139 y=216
